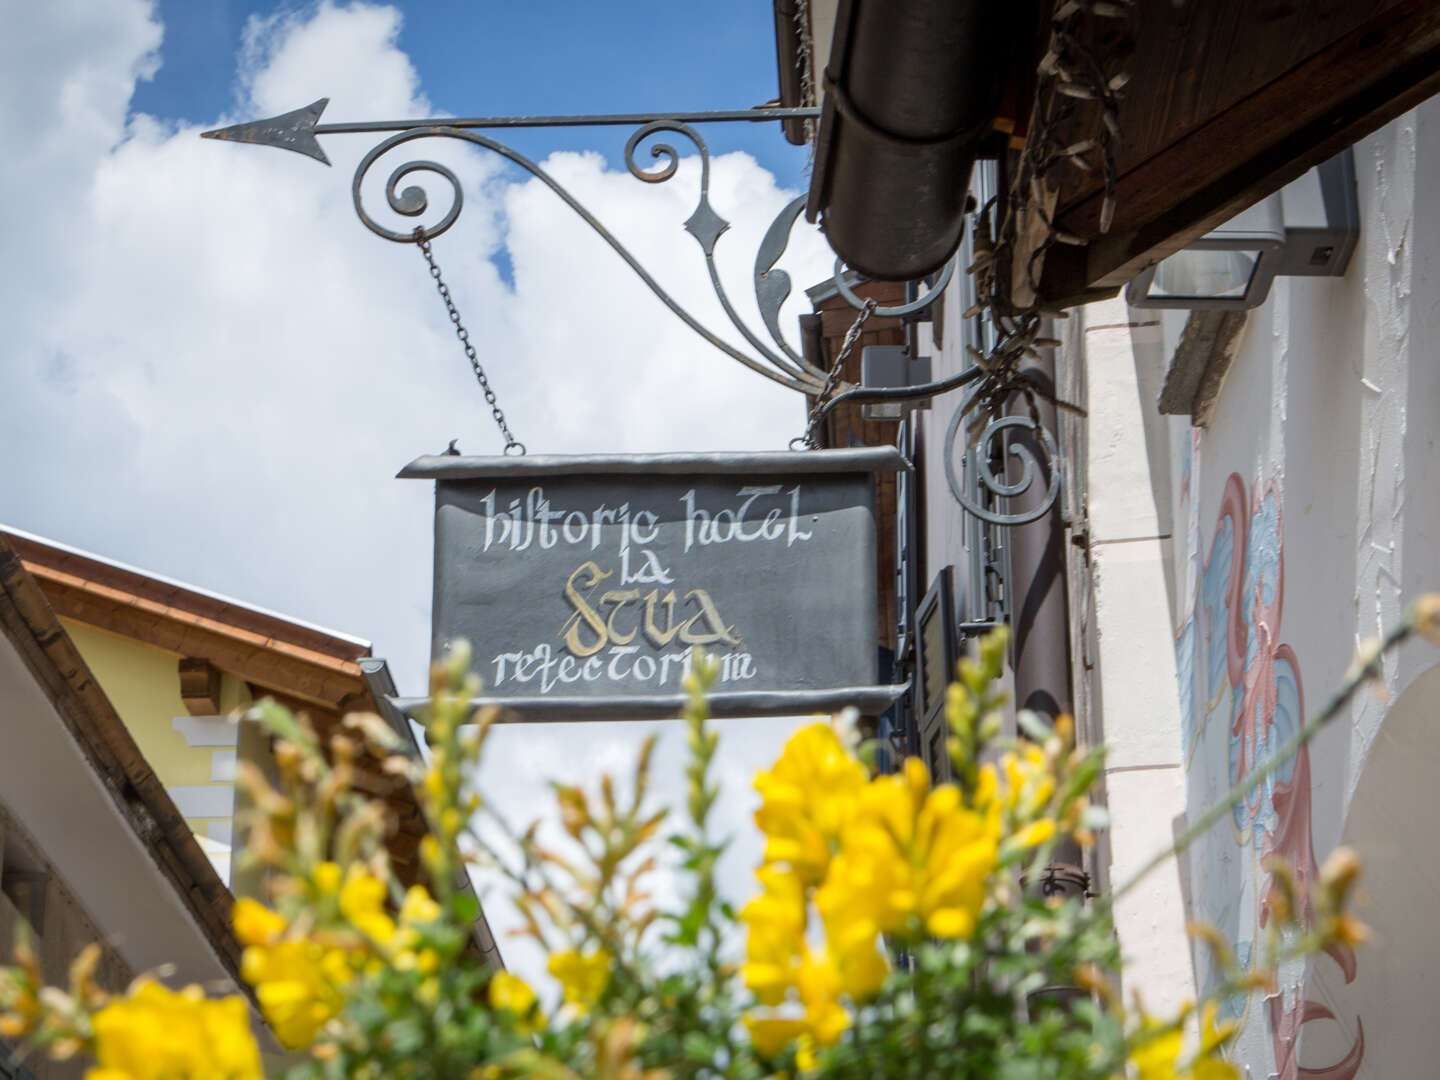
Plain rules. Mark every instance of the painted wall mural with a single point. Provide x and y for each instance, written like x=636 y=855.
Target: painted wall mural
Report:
x=1241 y=697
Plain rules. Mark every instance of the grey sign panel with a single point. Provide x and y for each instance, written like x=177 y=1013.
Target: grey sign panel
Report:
x=585 y=583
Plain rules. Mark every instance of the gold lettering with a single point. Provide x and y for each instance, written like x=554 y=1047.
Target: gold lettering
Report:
x=583 y=611
x=718 y=630
x=660 y=638
x=620 y=597
x=705 y=627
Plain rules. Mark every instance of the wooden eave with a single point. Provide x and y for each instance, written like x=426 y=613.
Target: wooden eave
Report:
x=31 y=624
x=301 y=662
x=1228 y=101
x=304 y=668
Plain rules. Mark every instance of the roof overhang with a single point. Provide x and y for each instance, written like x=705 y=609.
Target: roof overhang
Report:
x=275 y=652
x=1228 y=101
x=72 y=774
x=304 y=667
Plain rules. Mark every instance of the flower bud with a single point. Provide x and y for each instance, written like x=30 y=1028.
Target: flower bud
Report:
x=1339 y=874
x=1425 y=616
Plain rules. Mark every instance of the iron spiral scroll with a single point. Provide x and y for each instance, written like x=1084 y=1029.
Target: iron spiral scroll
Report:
x=988 y=461
x=775 y=359
x=780 y=363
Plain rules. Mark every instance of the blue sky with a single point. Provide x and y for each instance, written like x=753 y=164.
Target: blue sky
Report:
x=489 y=58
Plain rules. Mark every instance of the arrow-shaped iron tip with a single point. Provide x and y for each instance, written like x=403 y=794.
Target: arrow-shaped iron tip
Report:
x=290 y=131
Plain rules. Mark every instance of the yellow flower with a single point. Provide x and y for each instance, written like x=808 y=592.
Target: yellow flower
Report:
x=299 y=986
x=156 y=1034
x=824 y=1019
x=435 y=780
x=805 y=1054
x=512 y=993
x=255 y=924
x=1154 y=1059
x=806 y=799
x=20 y=1009
x=362 y=902
x=820 y=989
x=1213 y=1069
x=1029 y=782
x=1158 y=1050
x=418 y=907
x=582 y=977
x=417 y=910
x=326 y=878
x=1036 y=833
x=771 y=1034
x=776 y=923
x=1213 y=1035
x=913 y=861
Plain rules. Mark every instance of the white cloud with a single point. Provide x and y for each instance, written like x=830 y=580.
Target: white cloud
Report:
x=292 y=58
x=213 y=371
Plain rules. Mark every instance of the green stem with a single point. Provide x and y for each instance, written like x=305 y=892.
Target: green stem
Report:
x=603 y=933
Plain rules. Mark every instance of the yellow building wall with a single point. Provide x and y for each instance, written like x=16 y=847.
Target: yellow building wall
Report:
x=143 y=683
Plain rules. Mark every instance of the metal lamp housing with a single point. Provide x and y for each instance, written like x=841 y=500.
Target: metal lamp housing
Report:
x=1307 y=229
x=1255 y=236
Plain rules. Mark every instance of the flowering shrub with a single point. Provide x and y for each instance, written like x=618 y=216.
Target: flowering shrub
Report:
x=898 y=930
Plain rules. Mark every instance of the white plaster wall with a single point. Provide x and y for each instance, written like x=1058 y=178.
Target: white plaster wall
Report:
x=1328 y=421
x=1134 y=700
x=1332 y=408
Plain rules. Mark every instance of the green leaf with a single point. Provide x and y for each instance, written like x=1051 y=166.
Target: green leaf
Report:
x=466 y=907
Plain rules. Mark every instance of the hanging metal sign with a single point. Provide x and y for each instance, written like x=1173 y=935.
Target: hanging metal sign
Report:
x=585 y=583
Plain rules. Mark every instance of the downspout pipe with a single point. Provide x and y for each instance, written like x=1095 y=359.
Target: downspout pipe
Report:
x=1039 y=608
x=911 y=91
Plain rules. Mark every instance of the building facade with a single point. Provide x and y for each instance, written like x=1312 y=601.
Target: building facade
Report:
x=1288 y=519
x=1244 y=497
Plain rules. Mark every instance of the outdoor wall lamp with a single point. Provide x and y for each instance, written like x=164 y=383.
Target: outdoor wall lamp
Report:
x=1307 y=229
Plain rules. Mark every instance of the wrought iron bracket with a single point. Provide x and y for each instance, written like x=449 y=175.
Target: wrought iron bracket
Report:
x=299 y=129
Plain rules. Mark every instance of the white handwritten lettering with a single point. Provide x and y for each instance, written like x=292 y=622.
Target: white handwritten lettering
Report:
x=546 y=669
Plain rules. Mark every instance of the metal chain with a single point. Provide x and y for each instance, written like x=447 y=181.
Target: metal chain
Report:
x=808 y=440
x=512 y=444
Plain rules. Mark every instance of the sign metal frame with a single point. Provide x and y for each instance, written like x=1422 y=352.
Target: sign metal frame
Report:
x=507 y=598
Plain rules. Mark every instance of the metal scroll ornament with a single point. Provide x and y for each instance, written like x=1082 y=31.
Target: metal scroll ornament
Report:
x=775 y=359
x=987 y=461
x=781 y=363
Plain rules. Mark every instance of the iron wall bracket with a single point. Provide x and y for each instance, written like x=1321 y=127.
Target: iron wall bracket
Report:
x=299 y=131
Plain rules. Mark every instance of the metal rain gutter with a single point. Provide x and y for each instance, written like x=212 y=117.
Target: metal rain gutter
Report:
x=911 y=91
x=787 y=47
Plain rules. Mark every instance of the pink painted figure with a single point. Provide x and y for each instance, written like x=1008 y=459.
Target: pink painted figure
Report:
x=1241 y=696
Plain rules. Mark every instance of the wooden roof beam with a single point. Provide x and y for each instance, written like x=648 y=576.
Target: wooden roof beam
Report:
x=306 y=674
x=1382 y=67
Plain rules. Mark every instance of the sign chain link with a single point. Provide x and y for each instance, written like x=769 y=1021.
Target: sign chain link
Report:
x=512 y=444
x=808 y=440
